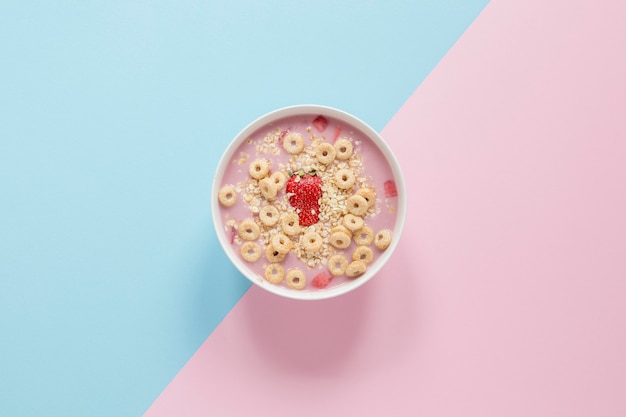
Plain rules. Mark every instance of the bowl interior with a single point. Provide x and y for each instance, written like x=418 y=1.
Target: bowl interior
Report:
x=341 y=125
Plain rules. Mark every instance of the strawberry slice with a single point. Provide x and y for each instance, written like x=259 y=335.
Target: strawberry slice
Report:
x=305 y=189
x=320 y=123
x=309 y=217
x=322 y=280
x=390 y=189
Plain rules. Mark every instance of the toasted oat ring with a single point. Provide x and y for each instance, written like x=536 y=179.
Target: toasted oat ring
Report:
x=340 y=240
x=311 y=241
x=353 y=222
x=227 y=196
x=325 y=153
x=259 y=168
x=343 y=148
x=268 y=188
x=295 y=279
x=274 y=273
x=273 y=255
x=357 y=205
x=337 y=264
x=344 y=178
x=383 y=239
x=363 y=253
x=293 y=143
x=269 y=215
x=368 y=194
x=364 y=236
x=356 y=268
x=279 y=179
x=290 y=223
x=341 y=228
x=251 y=251
x=281 y=243
x=249 y=230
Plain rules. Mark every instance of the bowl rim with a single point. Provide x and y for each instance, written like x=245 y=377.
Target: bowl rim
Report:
x=370 y=133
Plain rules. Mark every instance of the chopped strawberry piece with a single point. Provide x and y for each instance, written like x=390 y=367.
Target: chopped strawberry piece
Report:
x=233 y=233
x=282 y=135
x=337 y=133
x=320 y=123
x=390 y=189
x=322 y=280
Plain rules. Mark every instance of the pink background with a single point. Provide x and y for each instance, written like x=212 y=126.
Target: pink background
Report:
x=507 y=294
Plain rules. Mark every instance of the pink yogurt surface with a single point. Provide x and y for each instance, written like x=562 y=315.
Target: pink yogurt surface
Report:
x=375 y=169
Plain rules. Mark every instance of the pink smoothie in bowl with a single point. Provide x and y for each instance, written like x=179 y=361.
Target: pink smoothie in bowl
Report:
x=308 y=202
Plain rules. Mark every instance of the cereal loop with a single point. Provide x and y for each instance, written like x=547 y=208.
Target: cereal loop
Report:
x=227 y=196
x=383 y=239
x=364 y=236
x=268 y=188
x=357 y=205
x=290 y=224
x=356 y=268
x=311 y=241
x=363 y=253
x=337 y=265
x=249 y=230
x=273 y=255
x=344 y=178
x=269 y=215
x=352 y=222
x=340 y=240
x=368 y=194
x=293 y=143
x=259 y=168
x=274 y=273
x=341 y=228
x=250 y=251
x=281 y=243
x=295 y=279
x=325 y=153
x=279 y=179
x=343 y=148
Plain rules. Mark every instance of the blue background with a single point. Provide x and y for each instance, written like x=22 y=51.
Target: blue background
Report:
x=113 y=116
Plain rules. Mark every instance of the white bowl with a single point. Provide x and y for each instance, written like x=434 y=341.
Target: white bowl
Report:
x=397 y=205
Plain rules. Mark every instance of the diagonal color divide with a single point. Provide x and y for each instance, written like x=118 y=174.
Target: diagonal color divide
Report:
x=505 y=297
x=113 y=116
